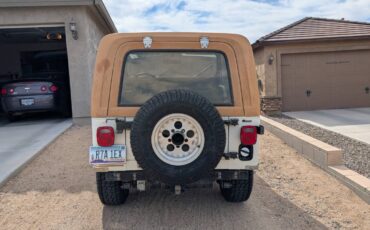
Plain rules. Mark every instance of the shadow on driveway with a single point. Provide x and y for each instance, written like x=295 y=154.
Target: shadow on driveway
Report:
x=206 y=209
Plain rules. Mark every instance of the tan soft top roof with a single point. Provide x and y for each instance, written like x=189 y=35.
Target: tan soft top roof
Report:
x=109 y=49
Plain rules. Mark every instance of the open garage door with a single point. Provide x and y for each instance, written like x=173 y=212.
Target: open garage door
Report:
x=34 y=76
x=326 y=80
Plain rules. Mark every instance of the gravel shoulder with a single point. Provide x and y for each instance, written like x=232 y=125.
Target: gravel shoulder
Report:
x=57 y=191
x=356 y=153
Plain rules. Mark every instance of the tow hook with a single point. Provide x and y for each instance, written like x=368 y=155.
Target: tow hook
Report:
x=225 y=184
x=177 y=189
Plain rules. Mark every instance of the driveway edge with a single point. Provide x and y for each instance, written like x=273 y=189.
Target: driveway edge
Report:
x=321 y=154
x=52 y=137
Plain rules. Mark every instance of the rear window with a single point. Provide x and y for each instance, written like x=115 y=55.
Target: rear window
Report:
x=147 y=73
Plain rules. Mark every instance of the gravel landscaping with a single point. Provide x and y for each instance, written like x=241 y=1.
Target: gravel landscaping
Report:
x=356 y=153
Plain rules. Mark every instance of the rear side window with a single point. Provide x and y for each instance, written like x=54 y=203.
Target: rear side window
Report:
x=147 y=73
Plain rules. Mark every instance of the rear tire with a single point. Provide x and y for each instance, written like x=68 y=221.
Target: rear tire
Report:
x=239 y=191
x=110 y=192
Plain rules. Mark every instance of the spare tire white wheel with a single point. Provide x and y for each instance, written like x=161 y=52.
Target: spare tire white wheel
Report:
x=178 y=137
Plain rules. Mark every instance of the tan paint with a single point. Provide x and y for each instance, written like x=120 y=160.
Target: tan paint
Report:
x=112 y=49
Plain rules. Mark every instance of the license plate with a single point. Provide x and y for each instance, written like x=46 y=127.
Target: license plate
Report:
x=107 y=155
x=27 y=102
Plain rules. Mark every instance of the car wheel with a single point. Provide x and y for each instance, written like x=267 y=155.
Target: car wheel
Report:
x=12 y=117
x=65 y=113
x=237 y=190
x=110 y=192
x=178 y=137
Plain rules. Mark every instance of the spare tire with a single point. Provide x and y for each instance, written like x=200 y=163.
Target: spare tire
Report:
x=177 y=137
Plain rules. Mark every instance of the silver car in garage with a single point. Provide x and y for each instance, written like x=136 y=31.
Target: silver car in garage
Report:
x=22 y=97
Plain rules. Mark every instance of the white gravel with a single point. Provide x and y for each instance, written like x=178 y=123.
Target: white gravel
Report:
x=356 y=153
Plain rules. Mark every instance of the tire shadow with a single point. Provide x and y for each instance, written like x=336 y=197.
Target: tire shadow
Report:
x=206 y=209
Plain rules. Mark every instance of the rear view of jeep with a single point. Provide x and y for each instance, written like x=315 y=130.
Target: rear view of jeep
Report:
x=176 y=110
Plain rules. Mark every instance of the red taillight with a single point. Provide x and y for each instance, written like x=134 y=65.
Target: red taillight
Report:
x=3 y=91
x=43 y=88
x=53 y=88
x=105 y=136
x=248 y=135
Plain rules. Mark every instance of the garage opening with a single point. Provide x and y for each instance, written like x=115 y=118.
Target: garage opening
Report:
x=34 y=76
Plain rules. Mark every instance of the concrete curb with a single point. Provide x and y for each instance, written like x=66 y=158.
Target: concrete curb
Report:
x=323 y=155
x=35 y=152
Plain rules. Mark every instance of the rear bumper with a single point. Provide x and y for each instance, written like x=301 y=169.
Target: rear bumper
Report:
x=217 y=175
x=45 y=102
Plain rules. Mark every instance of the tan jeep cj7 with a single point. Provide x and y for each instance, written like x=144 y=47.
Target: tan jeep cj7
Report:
x=174 y=109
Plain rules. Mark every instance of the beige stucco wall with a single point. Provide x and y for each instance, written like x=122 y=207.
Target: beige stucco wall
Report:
x=271 y=74
x=266 y=71
x=81 y=52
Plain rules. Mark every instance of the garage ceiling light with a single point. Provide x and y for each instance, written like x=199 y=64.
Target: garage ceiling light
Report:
x=54 y=36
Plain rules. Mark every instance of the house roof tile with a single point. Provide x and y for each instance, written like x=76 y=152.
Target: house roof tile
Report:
x=315 y=29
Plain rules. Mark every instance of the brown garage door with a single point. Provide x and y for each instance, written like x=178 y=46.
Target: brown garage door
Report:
x=326 y=80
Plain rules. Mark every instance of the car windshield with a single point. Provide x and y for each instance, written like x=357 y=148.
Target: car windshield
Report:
x=147 y=73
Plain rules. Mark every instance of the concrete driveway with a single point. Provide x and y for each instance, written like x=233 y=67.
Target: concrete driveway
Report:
x=353 y=123
x=21 y=141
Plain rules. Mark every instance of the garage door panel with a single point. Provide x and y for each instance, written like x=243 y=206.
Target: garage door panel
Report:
x=333 y=80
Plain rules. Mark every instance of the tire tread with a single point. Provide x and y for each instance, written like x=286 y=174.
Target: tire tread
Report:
x=240 y=190
x=110 y=192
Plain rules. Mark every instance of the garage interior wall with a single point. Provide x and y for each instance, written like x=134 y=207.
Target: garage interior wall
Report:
x=81 y=52
x=10 y=54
